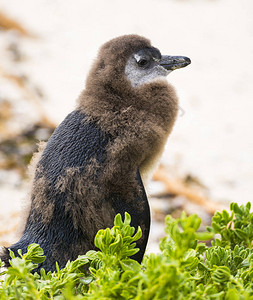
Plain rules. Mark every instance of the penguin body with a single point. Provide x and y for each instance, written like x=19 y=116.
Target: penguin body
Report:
x=92 y=166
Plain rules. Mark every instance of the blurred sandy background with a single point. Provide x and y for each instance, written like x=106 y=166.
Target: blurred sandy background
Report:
x=212 y=139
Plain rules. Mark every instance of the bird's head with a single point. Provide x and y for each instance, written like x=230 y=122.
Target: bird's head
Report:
x=147 y=65
x=129 y=61
x=126 y=78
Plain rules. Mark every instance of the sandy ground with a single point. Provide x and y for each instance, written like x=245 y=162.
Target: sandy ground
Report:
x=212 y=138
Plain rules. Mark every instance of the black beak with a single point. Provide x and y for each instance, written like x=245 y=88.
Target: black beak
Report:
x=174 y=62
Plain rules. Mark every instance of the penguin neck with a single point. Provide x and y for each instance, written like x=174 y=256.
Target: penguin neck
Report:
x=113 y=108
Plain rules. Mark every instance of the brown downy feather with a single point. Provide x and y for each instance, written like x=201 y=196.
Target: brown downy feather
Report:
x=139 y=118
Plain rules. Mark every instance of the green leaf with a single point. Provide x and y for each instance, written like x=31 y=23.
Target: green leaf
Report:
x=117 y=245
x=127 y=220
x=221 y=274
x=241 y=233
x=138 y=234
x=204 y=236
x=186 y=269
x=130 y=265
x=118 y=221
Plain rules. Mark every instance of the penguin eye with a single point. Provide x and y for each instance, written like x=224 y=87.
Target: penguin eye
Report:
x=142 y=62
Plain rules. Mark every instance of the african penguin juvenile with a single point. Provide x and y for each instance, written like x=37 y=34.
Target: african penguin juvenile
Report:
x=91 y=167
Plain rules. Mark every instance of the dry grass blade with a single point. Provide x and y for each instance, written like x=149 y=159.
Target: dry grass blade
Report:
x=178 y=187
x=8 y=231
x=29 y=94
x=9 y=24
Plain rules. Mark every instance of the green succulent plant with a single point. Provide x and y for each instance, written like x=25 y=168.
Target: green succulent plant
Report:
x=186 y=268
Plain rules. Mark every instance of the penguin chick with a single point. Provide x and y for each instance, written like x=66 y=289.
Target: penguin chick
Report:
x=90 y=169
